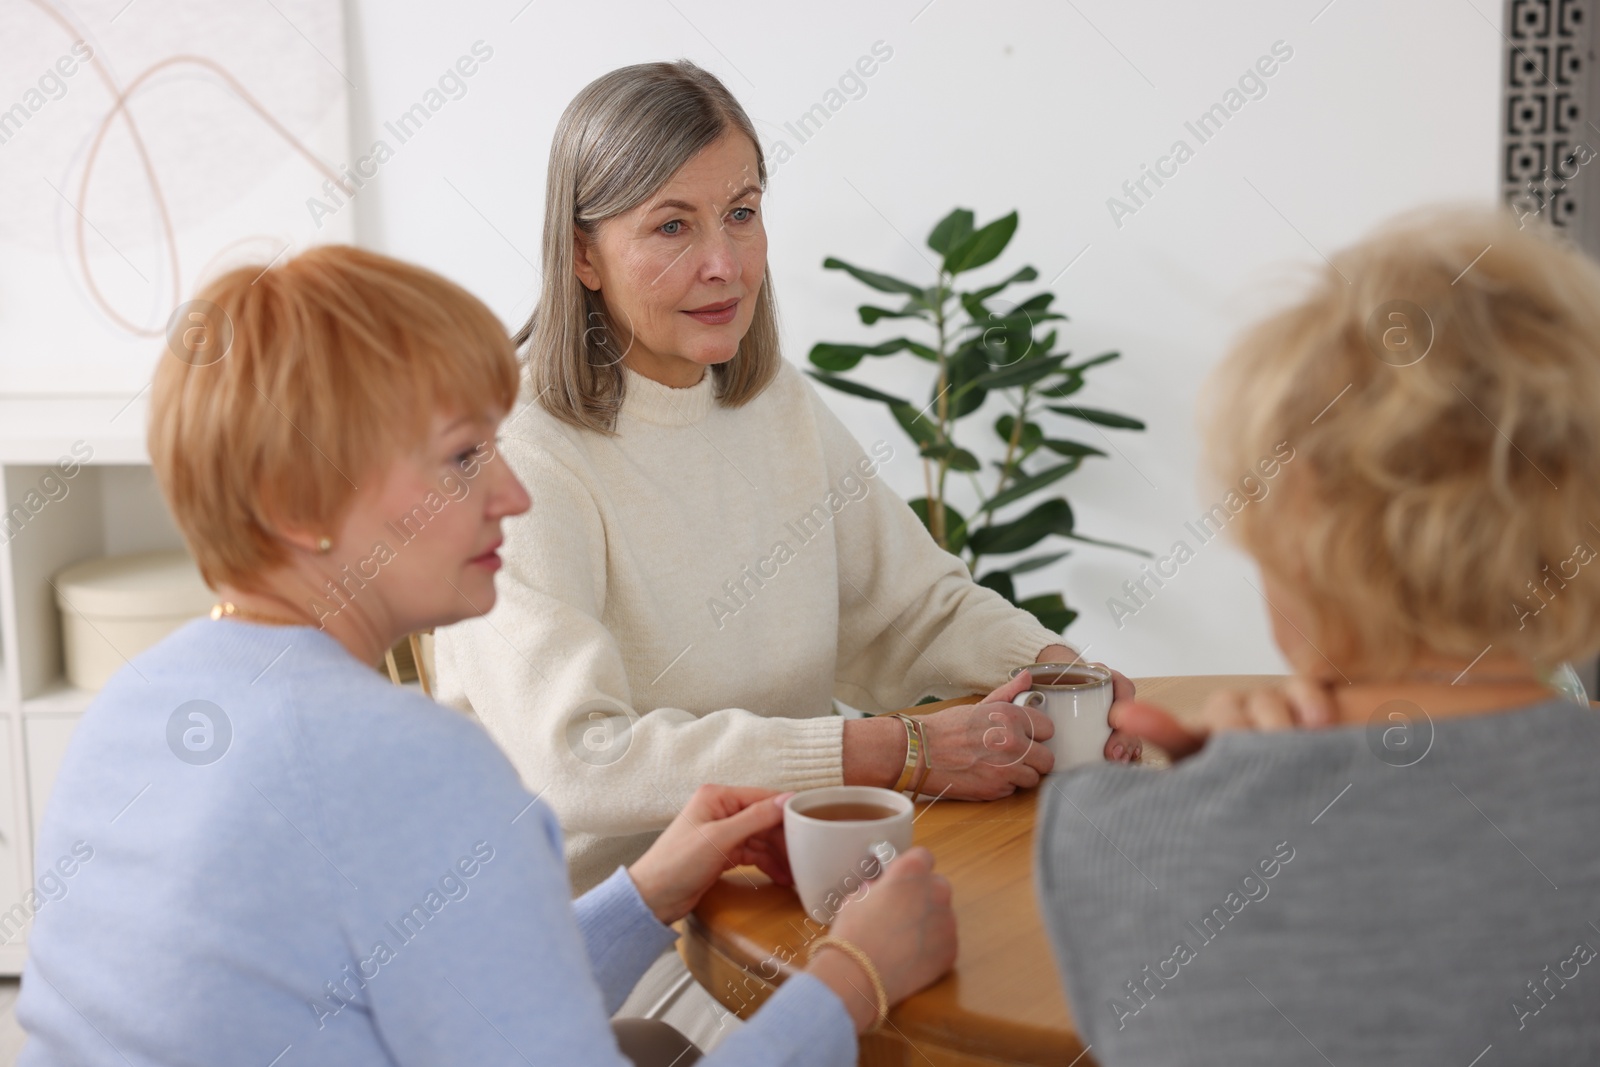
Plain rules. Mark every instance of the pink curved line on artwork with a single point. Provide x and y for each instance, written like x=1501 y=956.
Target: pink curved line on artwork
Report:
x=120 y=107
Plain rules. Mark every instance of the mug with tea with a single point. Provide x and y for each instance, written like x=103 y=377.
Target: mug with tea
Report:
x=1076 y=697
x=839 y=838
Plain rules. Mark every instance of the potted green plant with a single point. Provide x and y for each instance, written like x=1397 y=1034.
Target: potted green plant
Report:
x=980 y=346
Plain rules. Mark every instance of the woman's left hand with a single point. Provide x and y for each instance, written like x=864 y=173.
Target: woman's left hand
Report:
x=1121 y=747
x=722 y=827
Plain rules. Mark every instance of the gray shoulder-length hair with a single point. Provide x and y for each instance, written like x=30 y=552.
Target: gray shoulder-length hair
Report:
x=619 y=141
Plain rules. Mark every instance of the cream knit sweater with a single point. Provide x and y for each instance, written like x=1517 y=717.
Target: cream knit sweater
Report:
x=685 y=599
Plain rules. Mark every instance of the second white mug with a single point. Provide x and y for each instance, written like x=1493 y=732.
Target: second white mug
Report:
x=832 y=855
x=1076 y=697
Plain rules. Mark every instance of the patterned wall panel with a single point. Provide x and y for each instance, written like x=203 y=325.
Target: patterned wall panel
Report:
x=1550 y=160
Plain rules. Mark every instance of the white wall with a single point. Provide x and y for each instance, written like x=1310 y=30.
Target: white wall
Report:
x=1043 y=107
x=113 y=215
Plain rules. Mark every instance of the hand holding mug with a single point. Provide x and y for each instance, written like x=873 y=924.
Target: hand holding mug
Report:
x=1297 y=704
x=721 y=827
x=904 y=924
x=987 y=750
x=1077 y=698
x=1120 y=747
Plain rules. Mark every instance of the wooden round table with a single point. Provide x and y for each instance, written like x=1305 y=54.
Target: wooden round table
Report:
x=1003 y=1003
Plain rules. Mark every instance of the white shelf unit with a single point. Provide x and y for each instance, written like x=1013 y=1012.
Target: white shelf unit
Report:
x=110 y=506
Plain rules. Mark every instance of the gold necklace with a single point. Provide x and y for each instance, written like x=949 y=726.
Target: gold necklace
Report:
x=228 y=609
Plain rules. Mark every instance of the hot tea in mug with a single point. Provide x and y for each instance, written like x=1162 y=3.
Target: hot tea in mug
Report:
x=1076 y=697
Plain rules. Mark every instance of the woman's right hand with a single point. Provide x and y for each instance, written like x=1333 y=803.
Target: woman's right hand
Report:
x=905 y=926
x=1299 y=703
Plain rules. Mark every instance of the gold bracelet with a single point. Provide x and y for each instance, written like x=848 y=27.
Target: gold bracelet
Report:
x=866 y=965
x=927 y=760
x=913 y=753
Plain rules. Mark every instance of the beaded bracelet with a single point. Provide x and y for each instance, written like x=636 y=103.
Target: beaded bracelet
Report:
x=866 y=965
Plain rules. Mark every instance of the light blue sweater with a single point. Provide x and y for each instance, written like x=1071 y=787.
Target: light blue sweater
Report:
x=259 y=851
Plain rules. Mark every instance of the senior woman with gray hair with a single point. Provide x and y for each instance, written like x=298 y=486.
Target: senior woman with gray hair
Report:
x=714 y=559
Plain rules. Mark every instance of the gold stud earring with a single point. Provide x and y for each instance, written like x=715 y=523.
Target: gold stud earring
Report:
x=325 y=545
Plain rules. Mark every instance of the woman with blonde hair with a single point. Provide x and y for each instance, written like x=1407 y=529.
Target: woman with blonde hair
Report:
x=270 y=854
x=1416 y=881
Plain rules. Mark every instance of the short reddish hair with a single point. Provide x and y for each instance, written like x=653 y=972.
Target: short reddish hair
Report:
x=338 y=361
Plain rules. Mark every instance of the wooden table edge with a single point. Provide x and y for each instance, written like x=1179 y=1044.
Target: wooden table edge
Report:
x=714 y=960
x=707 y=955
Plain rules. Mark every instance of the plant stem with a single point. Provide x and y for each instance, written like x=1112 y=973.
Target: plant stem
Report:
x=1017 y=425
x=943 y=400
x=1020 y=421
x=977 y=493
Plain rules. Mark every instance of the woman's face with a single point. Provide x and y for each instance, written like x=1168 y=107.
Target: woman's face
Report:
x=419 y=549
x=680 y=273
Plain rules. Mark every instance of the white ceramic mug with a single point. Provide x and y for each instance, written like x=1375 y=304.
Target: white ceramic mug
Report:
x=1078 y=710
x=832 y=860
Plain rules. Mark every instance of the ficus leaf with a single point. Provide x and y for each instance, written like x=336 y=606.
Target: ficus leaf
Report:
x=871 y=314
x=958 y=459
x=1095 y=415
x=965 y=367
x=1028 y=485
x=1038 y=303
x=884 y=283
x=1033 y=563
x=922 y=429
x=1111 y=544
x=1054 y=516
x=951 y=230
x=1071 y=381
x=1051 y=611
x=954 y=524
x=1025 y=372
x=1070 y=448
x=1032 y=434
x=838 y=357
x=1001 y=583
x=981 y=247
x=845 y=385
x=1026 y=274
x=1104 y=357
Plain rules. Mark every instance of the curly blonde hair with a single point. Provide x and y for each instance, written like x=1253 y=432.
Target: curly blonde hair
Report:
x=1440 y=385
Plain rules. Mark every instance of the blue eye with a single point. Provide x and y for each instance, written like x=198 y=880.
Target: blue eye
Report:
x=672 y=228
x=749 y=213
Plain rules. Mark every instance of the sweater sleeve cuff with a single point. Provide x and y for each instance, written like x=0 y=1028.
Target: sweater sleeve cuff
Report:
x=811 y=753
x=1028 y=640
x=622 y=935
x=1003 y=649
x=804 y=1024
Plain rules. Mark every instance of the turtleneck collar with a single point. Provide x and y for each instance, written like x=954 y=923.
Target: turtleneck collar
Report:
x=650 y=401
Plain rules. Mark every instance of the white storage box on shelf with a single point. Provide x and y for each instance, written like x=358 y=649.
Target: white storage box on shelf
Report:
x=114 y=608
x=75 y=485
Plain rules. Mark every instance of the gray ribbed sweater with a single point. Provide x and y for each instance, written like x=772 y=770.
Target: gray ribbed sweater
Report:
x=1292 y=898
